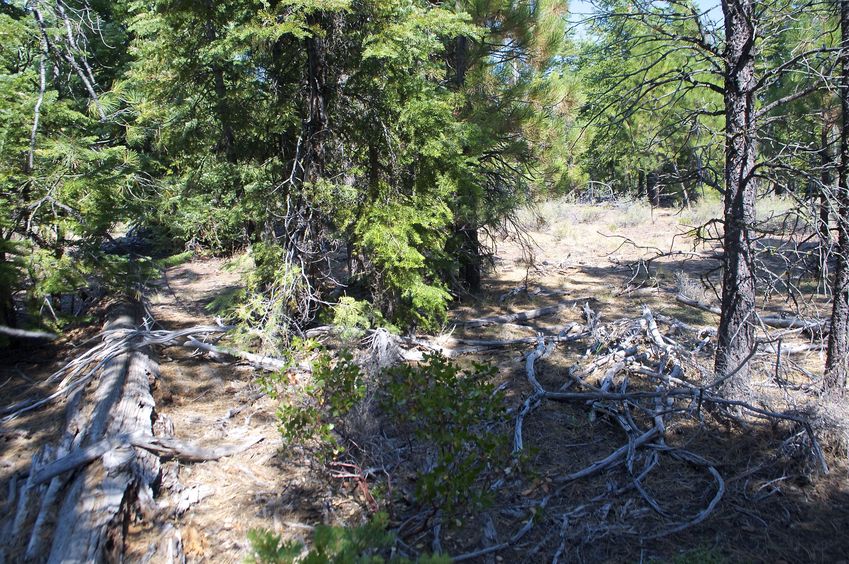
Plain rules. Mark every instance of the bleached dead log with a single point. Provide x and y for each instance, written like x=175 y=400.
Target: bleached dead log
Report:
x=90 y=522
x=188 y=497
x=778 y=322
x=188 y=452
x=654 y=332
x=504 y=343
x=117 y=338
x=108 y=457
x=24 y=334
x=523 y=315
x=261 y=361
x=168 y=547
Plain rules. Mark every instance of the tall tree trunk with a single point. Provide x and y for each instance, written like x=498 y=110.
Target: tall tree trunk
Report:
x=641 y=183
x=226 y=144
x=228 y=141
x=316 y=122
x=837 y=359
x=8 y=316
x=736 y=337
x=36 y=113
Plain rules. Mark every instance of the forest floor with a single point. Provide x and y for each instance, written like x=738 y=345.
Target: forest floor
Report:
x=776 y=507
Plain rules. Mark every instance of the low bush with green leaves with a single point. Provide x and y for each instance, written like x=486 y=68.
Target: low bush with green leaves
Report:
x=275 y=297
x=454 y=419
x=366 y=544
x=314 y=410
x=352 y=318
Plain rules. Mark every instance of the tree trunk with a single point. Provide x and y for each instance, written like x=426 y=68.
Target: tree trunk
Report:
x=838 y=340
x=316 y=122
x=652 y=189
x=228 y=142
x=226 y=145
x=466 y=227
x=641 y=184
x=470 y=259
x=8 y=316
x=736 y=337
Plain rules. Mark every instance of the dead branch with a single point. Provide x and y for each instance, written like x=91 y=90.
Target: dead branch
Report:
x=261 y=361
x=779 y=322
x=167 y=447
x=24 y=334
x=524 y=315
x=613 y=399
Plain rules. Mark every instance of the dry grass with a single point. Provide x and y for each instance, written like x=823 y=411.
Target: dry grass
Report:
x=704 y=210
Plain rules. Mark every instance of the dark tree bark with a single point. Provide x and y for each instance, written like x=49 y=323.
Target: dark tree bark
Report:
x=837 y=358
x=316 y=121
x=653 y=189
x=736 y=336
x=641 y=184
x=226 y=144
x=466 y=228
x=8 y=316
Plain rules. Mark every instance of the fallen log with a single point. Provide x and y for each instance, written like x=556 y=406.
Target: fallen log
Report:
x=523 y=315
x=778 y=322
x=166 y=447
x=89 y=526
x=24 y=334
x=80 y=494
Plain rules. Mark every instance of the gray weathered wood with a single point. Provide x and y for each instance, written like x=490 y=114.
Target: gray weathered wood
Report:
x=523 y=315
x=24 y=334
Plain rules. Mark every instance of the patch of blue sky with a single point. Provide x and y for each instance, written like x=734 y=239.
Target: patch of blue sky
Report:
x=583 y=9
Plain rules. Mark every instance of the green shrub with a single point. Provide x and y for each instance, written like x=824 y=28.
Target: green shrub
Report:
x=350 y=317
x=336 y=545
x=176 y=260
x=312 y=412
x=275 y=297
x=455 y=414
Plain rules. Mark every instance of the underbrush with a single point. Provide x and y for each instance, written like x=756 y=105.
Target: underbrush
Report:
x=440 y=427
x=707 y=208
x=362 y=544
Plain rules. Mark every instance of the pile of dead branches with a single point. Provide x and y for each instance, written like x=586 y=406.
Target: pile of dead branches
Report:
x=642 y=382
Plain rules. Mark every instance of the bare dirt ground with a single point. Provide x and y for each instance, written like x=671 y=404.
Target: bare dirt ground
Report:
x=777 y=507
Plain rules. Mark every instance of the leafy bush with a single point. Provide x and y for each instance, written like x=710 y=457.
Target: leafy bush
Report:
x=337 y=545
x=312 y=412
x=403 y=243
x=454 y=414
